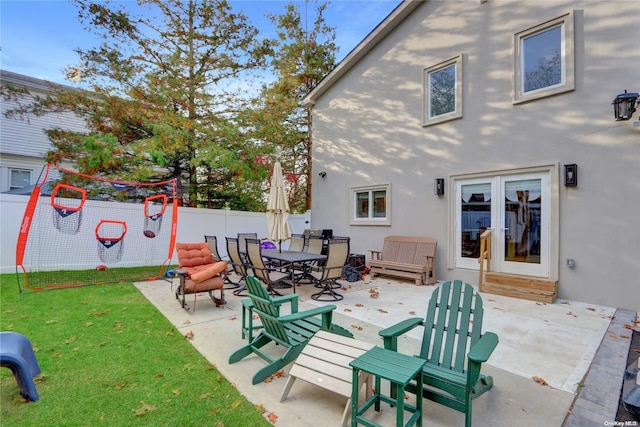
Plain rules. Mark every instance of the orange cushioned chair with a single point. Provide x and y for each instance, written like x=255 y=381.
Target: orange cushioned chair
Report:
x=199 y=273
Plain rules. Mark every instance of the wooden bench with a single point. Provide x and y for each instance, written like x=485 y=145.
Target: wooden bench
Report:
x=325 y=362
x=410 y=257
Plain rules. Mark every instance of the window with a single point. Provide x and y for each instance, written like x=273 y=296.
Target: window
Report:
x=370 y=205
x=442 y=87
x=544 y=60
x=19 y=178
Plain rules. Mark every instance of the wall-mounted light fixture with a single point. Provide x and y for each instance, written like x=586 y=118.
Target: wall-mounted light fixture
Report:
x=571 y=175
x=624 y=105
x=322 y=174
x=438 y=186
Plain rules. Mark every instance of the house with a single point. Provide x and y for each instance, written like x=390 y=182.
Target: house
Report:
x=23 y=141
x=455 y=117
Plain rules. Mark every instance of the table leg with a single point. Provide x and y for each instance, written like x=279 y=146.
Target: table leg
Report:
x=355 y=389
x=400 y=403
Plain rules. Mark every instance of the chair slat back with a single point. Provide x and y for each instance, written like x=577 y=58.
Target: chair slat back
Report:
x=424 y=250
x=267 y=311
x=234 y=256
x=337 y=256
x=254 y=256
x=212 y=241
x=390 y=250
x=407 y=252
x=242 y=238
x=452 y=325
x=297 y=242
x=314 y=244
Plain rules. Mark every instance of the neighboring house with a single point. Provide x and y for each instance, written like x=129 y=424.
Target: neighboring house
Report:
x=23 y=142
x=494 y=102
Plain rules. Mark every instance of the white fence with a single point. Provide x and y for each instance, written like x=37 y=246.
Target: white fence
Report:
x=193 y=224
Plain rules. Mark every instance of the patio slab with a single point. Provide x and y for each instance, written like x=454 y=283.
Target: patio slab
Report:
x=556 y=342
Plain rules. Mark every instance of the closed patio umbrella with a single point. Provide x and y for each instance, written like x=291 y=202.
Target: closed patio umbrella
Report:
x=278 y=208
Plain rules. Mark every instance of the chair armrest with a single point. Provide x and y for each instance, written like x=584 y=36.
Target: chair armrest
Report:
x=481 y=351
x=307 y=313
x=390 y=335
x=293 y=298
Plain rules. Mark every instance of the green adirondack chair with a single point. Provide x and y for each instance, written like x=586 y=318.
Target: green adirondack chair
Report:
x=453 y=346
x=291 y=331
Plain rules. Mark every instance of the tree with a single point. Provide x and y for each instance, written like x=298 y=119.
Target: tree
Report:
x=302 y=57
x=159 y=101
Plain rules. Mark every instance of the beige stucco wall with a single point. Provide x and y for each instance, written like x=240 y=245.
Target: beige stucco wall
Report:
x=368 y=130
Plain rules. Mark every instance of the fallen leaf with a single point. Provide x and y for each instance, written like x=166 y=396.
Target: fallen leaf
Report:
x=412 y=313
x=566 y=302
x=625 y=336
x=347 y=309
x=144 y=409
x=357 y=327
x=359 y=305
x=276 y=375
x=260 y=408
x=176 y=391
x=628 y=326
x=235 y=404
x=189 y=335
x=591 y=309
x=233 y=318
x=523 y=410
x=540 y=381
x=613 y=336
x=272 y=417
x=186 y=322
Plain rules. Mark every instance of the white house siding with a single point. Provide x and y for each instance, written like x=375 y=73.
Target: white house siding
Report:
x=23 y=142
x=367 y=130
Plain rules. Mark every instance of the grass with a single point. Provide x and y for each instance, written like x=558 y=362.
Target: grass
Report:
x=108 y=357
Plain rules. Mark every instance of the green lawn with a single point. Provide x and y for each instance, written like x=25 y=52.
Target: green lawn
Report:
x=108 y=357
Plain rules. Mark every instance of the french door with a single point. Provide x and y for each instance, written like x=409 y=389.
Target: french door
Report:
x=516 y=210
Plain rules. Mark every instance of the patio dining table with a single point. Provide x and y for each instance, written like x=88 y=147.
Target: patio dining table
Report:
x=289 y=258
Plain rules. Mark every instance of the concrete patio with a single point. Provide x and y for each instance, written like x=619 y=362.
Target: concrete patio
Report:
x=574 y=347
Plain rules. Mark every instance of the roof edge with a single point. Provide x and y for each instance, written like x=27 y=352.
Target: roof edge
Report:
x=362 y=49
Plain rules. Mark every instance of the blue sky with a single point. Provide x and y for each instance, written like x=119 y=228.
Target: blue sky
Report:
x=38 y=38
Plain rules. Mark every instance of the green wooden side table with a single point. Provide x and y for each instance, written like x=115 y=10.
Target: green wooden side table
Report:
x=399 y=369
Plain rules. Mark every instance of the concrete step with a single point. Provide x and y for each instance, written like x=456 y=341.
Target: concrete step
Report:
x=524 y=287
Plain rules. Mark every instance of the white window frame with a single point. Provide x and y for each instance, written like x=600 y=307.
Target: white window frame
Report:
x=567 y=84
x=12 y=170
x=370 y=220
x=427 y=120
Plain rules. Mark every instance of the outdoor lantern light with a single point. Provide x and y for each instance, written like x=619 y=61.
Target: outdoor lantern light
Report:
x=571 y=175
x=624 y=105
x=438 y=186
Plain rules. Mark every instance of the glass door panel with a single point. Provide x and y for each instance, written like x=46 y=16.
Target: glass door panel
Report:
x=524 y=212
x=474 y=217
